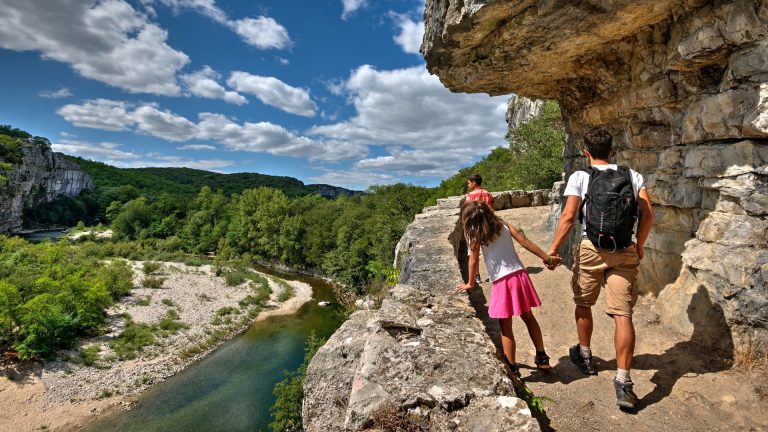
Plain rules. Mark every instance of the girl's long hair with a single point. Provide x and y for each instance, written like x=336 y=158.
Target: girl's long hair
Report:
x=481 y=225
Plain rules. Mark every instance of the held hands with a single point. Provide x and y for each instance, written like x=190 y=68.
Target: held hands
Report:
x=553 y=260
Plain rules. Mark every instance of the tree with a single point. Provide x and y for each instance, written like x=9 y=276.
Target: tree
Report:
x=132 y=218
x=261 y=213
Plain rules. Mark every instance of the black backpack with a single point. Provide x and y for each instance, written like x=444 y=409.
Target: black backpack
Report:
x=610 y=208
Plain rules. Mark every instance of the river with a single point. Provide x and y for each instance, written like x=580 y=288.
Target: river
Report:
x=231 y=389
x=42 y=235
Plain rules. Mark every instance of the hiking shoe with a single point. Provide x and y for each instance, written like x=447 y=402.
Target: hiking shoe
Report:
x=625 y=396
x=584 y=364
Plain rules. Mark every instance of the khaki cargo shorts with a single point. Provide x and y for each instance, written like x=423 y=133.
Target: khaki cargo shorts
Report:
x=618 y=271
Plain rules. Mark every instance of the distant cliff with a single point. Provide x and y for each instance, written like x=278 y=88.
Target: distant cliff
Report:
x=40 y=177
x=329 y=191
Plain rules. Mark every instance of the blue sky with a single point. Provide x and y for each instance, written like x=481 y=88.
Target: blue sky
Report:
x=327 y=91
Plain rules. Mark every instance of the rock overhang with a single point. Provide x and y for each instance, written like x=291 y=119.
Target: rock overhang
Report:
x=532 y=48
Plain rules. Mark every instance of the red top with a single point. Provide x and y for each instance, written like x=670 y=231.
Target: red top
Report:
x=481 y=194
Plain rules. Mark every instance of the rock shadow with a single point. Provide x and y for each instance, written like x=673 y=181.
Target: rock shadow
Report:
x=20 y=373
x=709 y=350
x=478 y=300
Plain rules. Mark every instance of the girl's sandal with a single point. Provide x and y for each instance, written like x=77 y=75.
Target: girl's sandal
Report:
x=514 y=368
x=542 y=362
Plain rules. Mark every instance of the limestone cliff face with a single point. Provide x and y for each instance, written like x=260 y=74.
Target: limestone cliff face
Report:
x=42 y=177
x=424 y=353
x=683 y=87
x=521 y=109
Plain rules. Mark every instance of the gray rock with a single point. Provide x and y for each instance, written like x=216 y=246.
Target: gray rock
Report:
x=521 y=109
x=42 y=177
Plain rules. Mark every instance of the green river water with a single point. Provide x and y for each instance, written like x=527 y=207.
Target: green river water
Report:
x=231 y=388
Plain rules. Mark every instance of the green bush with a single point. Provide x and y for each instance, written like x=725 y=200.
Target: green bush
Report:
x=50 y=294
x=287 y=290
x=170 y=324
x=89 y=355
x=118 y=276
x=150 y=267
x=152 y=282
x=167 y=302
x=144 y=301
x=226 y=310
x=46 y=326
x=235 y=278
x=132 y=340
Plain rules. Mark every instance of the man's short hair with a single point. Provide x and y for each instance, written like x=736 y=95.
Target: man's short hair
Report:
x=476 y=178
x=598 y=143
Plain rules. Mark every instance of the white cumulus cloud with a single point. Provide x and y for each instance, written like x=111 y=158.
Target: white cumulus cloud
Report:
x=105 y=151
x=262 y=32
x=196 y=147
x=274 y=92
x=163 y=124
x=111 y=153
x=425 y=129
x=350 y=6
x=55 y=94
x=354 y=179
x=108 y=41
x=410 y=33
x=98 y=114
x=204 y=83
x=253 y=137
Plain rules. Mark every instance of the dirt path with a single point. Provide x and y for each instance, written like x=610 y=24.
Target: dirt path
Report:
x=681 y=387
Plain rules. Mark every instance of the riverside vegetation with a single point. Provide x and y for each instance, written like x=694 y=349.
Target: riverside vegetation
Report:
x=52 y=294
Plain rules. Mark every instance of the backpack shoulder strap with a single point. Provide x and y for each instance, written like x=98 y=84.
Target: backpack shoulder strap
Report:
x=592 y=171
x=624 y=171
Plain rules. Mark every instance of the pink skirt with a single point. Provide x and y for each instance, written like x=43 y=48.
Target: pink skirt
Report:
x=512 y=295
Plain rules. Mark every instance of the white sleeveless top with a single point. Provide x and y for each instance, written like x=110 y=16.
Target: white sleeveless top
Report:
x=501 y=257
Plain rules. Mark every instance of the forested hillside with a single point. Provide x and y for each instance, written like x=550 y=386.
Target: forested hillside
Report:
x=186 y=182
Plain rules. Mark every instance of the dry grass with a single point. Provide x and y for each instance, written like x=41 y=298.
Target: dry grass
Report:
x=389 y=419
x=346 y=297
x=750 y=355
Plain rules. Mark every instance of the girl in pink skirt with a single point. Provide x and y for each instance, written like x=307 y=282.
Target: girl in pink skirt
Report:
x=513 y=293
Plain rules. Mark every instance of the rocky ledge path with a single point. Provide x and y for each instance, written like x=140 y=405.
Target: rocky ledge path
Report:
x=681 y=387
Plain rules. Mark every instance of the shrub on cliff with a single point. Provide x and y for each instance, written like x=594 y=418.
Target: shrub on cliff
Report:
x=289 y=393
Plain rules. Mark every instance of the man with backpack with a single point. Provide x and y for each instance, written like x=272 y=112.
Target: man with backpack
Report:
x=607 y=200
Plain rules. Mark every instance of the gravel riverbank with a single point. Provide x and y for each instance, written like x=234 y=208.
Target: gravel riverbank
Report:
x=65 y=393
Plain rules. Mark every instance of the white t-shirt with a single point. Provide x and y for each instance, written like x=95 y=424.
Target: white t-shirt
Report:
x=579 y=181
x=500 y=256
